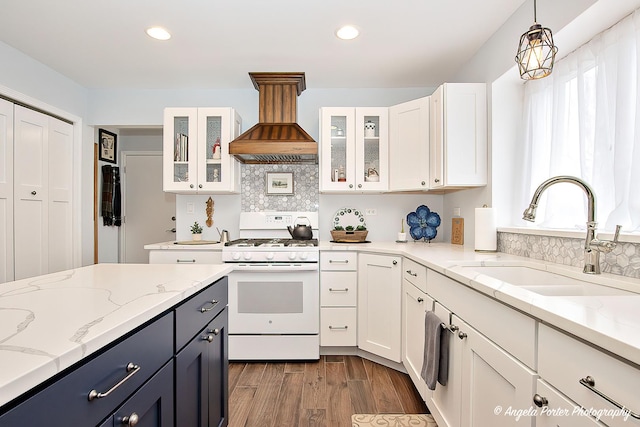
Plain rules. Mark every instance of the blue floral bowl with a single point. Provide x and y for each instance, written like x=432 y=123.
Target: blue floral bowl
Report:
x=423 y=223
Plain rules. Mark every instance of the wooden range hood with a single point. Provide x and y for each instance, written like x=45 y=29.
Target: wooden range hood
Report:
x=276 y=138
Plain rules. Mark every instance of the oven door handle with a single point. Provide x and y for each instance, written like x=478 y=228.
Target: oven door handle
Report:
x=276 y=267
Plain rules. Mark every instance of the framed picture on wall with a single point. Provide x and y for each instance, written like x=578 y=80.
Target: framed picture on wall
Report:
x=279 y=183
x=108 y=146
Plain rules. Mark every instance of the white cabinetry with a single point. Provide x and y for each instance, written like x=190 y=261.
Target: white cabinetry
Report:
x=6 y=191
x=415 y=304
x=481 y=377
x=458 y=140
x=558 y=410
x=590 y=373
x=379 y=305
x=409 y=142
x=492 y=378
x=166 y=256
x=196 y=150
x=338 y=299
x=43 y=166
x=354 y=149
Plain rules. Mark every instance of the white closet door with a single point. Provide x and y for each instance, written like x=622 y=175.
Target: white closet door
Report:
x=60 y=236
x=6 y=191
x=31 y=173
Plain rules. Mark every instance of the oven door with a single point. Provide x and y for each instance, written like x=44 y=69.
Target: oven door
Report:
x=274 y=301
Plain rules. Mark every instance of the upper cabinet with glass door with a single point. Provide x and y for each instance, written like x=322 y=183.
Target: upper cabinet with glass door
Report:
x=196 y=156
x=354 y=149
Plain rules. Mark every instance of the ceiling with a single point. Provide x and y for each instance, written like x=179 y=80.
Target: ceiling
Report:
x=101 y=44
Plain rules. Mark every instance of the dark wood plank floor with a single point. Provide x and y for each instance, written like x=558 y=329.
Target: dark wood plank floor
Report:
x=323 y=393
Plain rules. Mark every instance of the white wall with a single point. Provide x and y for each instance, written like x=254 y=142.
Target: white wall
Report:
x=30 y=82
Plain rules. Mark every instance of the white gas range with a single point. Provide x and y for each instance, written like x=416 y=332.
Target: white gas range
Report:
x=274 y=305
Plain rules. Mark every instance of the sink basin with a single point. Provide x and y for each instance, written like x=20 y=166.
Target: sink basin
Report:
x=544 y=282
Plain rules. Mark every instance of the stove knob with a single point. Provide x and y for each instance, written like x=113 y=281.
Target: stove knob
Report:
x=292 y=255
x=269 y=255
x=235 y=255
x=246 y=255
x=304 y=255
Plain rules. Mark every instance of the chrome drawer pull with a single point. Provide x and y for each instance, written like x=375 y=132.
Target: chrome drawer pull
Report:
x=185 y=260
x=590 y=383
x=132 y=369
x=208 y=338
x=339 y=290
x=411 y=273
x=339 y=261
x=540 y=401
x=338 y=327
x=420 y=299
x=205 y=309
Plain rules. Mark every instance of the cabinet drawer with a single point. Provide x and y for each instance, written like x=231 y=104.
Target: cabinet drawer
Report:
x=560 y=411
x=195 y=313
x=510 y=329
x=66 y=402
x=336 y=261
x=185 y=257
x=338 y=326
x=415 y=274
x=563 y=361
x=153 y=403
x=338 y=288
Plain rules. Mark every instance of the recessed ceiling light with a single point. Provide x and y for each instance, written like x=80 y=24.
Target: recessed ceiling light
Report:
x=347 y=32
x=158 y=33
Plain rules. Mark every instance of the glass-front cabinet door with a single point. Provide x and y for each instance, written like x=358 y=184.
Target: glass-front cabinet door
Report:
x=337 y=157
x=372 y=149
x=180 y=149
x=217 y=127
x=196 y=155
x=354 y=149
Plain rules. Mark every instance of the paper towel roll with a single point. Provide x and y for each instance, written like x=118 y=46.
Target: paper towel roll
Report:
x=486 y=233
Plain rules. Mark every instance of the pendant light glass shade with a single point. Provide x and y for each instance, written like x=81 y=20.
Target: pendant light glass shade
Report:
x=536 y=51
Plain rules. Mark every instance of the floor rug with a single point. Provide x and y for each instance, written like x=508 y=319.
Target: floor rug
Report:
x=393 y=420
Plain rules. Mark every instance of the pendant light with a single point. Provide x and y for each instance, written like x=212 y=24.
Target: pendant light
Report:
x=536 y=52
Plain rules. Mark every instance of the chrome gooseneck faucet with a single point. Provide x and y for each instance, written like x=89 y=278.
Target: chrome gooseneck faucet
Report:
x=592 y=245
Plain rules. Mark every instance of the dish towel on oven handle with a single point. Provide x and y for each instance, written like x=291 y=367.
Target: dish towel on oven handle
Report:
x=435 y=364
x=111 y=197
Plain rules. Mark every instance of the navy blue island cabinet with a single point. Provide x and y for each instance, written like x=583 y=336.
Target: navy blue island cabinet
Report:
x=170 y=372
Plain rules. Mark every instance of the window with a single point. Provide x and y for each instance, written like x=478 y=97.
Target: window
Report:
x=584 y=120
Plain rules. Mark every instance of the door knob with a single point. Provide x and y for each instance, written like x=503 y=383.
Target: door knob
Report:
x=173 y=218
x=33 y=192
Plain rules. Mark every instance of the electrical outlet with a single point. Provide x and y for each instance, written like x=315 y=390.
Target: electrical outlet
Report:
x=190 y=208
x=456 y=211
x=370 y=212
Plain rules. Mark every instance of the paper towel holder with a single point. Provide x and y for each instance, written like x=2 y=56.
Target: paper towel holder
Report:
x=490 y=249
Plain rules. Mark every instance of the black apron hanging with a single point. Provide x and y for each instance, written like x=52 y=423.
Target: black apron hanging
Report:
x=111 y=197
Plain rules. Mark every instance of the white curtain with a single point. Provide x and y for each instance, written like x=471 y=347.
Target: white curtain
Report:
x=584 y=120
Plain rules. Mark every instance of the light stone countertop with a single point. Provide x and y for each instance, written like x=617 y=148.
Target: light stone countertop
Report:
x=610 y=322
x=50 y=322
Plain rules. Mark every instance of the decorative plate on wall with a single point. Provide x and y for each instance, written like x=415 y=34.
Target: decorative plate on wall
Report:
x=348 y=217
x=423 y=223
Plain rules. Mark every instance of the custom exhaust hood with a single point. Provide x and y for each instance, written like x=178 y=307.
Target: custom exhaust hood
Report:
x=276 y=138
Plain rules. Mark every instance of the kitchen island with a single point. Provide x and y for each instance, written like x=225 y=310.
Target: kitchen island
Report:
x=51 y=324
